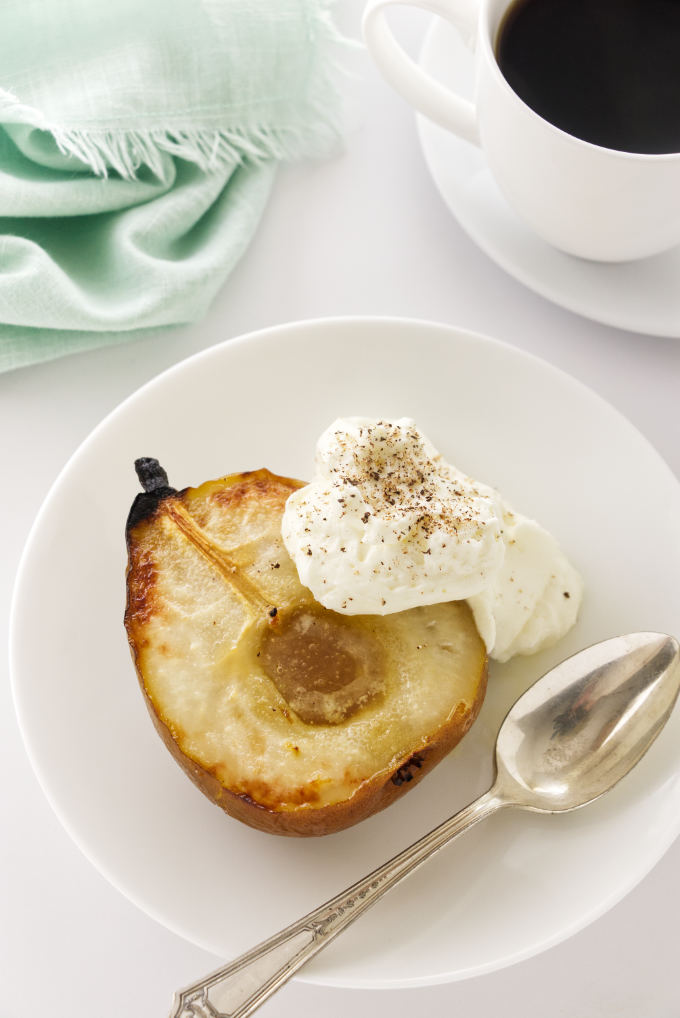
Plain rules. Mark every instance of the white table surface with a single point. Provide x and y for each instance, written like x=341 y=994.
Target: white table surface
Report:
x=363 y=233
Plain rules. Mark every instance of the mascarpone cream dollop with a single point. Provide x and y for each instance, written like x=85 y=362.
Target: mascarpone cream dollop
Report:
x=534 y=598
x=386 y=524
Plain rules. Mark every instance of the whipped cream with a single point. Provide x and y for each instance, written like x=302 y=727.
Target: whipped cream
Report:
x=386 y=524
x=534 y=598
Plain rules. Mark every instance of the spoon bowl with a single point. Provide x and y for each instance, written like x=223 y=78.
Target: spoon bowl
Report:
x=573 y=735
x=581 y=728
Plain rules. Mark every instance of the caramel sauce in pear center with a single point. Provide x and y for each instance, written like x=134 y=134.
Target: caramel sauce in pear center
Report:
x=325 y=665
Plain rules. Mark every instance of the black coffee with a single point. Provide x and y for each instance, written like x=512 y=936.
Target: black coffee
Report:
x=607 y=71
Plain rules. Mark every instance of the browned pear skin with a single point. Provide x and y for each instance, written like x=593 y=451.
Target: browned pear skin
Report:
x=293 y=719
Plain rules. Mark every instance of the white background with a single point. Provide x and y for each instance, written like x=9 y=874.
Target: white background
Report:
x=363 y=233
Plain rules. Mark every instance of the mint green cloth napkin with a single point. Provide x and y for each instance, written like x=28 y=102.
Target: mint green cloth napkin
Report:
x=138 y=146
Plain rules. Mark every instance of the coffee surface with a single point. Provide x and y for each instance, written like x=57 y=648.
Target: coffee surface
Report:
x=606 y=71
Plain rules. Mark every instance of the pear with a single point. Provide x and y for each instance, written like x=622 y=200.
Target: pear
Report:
x=292 y=718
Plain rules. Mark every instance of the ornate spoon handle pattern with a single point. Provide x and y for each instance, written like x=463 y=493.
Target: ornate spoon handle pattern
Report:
x=238 y=988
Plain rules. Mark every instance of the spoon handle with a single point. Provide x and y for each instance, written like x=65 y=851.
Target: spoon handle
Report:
x=238 y=988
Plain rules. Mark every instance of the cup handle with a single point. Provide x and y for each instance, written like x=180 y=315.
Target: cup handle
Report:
x=419 y=89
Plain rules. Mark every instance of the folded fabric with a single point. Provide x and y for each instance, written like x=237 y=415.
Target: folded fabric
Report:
x=138 y=146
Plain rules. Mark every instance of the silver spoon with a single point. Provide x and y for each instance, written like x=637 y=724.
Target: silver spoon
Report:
x=566 y=741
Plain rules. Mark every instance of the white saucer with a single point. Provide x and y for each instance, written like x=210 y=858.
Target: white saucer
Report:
x=641 y=296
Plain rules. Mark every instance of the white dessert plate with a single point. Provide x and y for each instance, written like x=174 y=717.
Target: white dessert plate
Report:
x=640 y=296
x=508 y=889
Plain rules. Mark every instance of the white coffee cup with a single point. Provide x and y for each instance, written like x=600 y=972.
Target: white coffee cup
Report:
x=590 y=201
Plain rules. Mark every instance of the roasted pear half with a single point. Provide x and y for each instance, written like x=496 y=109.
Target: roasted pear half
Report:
x=294 y=719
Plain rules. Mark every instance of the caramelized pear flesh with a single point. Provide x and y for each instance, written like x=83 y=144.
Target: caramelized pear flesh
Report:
x=292 y=718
